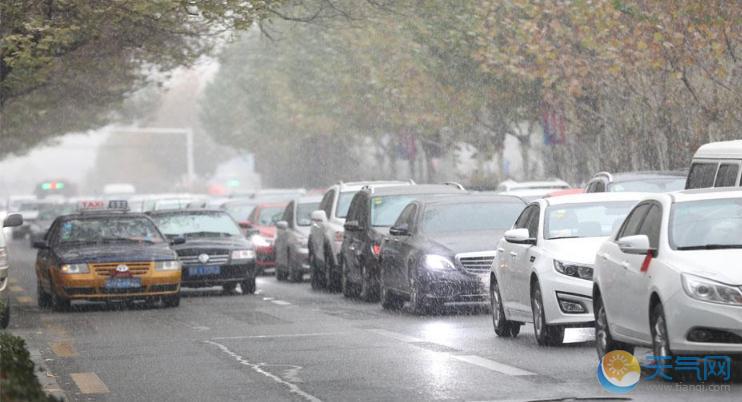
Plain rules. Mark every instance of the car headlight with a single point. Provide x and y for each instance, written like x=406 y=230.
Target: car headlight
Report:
x=75 y=269
x=243 y=254
x=436 y=262
x=711 y=291
x=172 y=265
x=574 y=270
x=260 y=241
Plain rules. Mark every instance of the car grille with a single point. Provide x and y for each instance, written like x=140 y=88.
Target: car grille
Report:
x=135 y=268
x=476 y=263
x=216 y=257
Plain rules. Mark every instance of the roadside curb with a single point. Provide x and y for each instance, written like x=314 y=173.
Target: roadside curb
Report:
x=47 y=380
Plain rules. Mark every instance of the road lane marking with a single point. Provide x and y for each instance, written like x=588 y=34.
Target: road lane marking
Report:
x=89 y=383
x=281 y=302
x=64 y=349
x=293 y=388
x=267 y=298
x=277 y=336
x=492 y=365
x=24 y=299
x=16 y=289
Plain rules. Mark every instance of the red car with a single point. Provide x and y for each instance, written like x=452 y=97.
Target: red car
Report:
x=261 y=229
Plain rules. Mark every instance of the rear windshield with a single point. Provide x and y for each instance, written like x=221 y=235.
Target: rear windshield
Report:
x=108 y=229
x=585 y=219
x=197 y=224
x=385 y=210
x=269 y=216
x=344 y=204
x=239 y=212
x=649 y=186
x=470 y=216
x=304 y=212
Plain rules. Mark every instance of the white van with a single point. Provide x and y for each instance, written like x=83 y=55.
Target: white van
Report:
x=716 y=164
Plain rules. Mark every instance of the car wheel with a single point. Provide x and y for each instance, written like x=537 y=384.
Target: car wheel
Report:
x=546 y=335
x=348 y=287
x=660 y=340
x=248 y=286
x=418 y=303
x=369 y=286
x=293 y=274
x=390 y=300
x=42 y=298
x=332 y=279
x=171 y=301
x=59 y=303
x=317 y=277
x=280 y=273
x=5 y=316
x=604 y=342
x=229 y=287
x=503 y=327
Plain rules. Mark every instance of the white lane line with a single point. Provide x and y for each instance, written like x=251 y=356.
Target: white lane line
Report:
x=281 y=302
x=492 y=365
x=471 y=359
x=293 y=388
x=397 y=336
x=277 y=336
x=267 y=298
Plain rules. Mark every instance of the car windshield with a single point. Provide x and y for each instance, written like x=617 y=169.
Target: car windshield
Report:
x=386 y=209
x=268 y=216
x=108 y=229
x=649 y=186
x=585 y=219
x=470 y=216
x=197 y=224
x=239 y=212
x=341 y=211
x=304 y=212
x=706 y=224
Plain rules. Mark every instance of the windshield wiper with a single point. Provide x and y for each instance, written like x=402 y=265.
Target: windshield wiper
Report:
x=710 y=247
x=206 y=233
x=126 y=239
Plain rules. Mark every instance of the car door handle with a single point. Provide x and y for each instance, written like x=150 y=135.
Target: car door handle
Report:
x=513 y=254
x=500 y=250
x=625 y=265
x=603 y=256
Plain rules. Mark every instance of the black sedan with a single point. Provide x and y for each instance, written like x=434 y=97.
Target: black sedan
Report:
x=215 y=252
x=440 y=250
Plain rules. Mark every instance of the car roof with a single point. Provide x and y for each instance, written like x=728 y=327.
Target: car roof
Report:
x=357 y=185
x=185 y=211
x=471 y=197
x=415 y=189
x=641 y=175
x=514 y=185
x=595 y=197
x=309 y=199
x=262 y=205
x=706 y=194
x=721 y=149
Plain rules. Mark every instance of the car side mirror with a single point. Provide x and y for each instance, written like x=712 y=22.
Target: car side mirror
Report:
x=319 y=216
x=638 y=244
x=177 y=240
x=519 y=236
x=352 y=226
x=13 y=220
x=401 y=230
x=40 y=244
x=283 y=225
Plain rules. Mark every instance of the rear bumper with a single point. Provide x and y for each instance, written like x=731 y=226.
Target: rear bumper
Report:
x=227 y=274
x=265 y=257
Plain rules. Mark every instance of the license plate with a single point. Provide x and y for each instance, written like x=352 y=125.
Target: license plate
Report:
x=204 y=270
x=123 y=283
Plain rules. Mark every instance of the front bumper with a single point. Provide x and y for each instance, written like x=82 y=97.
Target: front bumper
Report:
x=302 y=256
x=91 y=286
x=265 y=257
x=556 y=288
x=454 y=287
x=684 y=314
x=230 y=273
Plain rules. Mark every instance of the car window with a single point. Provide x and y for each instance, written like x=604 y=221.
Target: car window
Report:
x=651 y=225
x=727 y=175
x=386 y=209
x=469 y=217
x=406 y=216
x=701 y=175
x=522 y=221
x=633 y=223
x=269 y=215
x=197 y=224
x=357 y=208
x=533 y=221
x=304 y=212
x=326 y=203
x=341 y=211
x=287 y=214
x=599 y=186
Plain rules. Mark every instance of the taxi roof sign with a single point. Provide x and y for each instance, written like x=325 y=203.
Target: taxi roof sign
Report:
x=118 y=204
x=101 y=206
x=90 y=204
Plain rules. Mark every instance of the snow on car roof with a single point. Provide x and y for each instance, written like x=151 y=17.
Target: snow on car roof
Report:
x=595 y=197
x=722 y=149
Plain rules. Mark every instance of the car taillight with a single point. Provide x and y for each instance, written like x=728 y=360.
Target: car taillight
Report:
x=376 y=249
x=338 y=237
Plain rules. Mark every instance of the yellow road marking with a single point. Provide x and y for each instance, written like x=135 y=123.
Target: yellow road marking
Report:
x=24 y=299
x=89 y=383
x=16 y=289
x=64 y=349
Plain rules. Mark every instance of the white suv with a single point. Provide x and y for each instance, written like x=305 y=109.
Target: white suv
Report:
x=11 y=220
x=326 y=234
x=670 y=277
x=543 y=268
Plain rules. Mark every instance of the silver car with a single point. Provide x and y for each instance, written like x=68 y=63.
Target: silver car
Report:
x=292 y=236
x=12 y=220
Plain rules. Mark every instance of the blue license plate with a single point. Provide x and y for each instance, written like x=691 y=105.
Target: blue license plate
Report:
x=204 y=270
x=123 y=283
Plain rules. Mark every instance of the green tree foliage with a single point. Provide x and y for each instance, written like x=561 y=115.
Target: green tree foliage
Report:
x=18 y=381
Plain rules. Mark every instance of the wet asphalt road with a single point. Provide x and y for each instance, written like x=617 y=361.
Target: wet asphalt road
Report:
x=290 y=343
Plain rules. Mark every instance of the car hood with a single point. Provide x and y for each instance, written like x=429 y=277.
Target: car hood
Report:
x=719 y=265
x=465 y=242
x=214 y=243
x=115 y=253
x=581 y=251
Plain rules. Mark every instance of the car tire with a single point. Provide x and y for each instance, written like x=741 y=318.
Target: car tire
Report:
x=661 y=343
x=43 y=299
x=317 y=277
x=171 y=301
x=349 y=288
x=418 y=303
x=332 y=279
x=248 y=286
x=604 y=342
x=546 y=335
x=5 y=316
x=294 y=273
x=229 y=288
x=369 y=287
x=390 y=300
x=503 y=327
x=60 y=304
x=280 y=273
